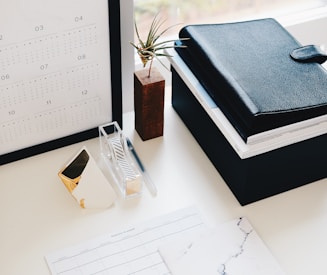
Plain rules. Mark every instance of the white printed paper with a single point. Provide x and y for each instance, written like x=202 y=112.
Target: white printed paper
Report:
x=232 y=248
x=133 y=250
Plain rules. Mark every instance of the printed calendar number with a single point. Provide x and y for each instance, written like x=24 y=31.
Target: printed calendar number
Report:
x=78 y=18
x=39 y=28
x=43 y=67
x=4 y=77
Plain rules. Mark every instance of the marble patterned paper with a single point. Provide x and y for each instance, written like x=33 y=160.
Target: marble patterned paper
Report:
x=233 y=248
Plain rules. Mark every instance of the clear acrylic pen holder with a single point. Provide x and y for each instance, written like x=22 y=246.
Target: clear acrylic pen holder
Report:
x=121 y=164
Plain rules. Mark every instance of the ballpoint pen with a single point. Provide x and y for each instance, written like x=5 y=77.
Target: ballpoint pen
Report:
x=148 y=181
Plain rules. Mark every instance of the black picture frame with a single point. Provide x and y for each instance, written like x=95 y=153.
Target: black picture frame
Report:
x=116 y=90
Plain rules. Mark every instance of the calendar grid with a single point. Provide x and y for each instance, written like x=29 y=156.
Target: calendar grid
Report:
x=55 y=80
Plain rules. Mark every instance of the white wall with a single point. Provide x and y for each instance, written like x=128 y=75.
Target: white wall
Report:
x=308 y=28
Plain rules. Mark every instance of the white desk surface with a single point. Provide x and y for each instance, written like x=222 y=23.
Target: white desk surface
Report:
x=38 y=215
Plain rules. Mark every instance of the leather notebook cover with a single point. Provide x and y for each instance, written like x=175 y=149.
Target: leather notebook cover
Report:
x=251 y=71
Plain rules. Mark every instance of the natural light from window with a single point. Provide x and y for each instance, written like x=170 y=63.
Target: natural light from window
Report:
x=215 y=11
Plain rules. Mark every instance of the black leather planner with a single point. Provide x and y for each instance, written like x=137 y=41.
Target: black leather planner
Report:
x=257 y=73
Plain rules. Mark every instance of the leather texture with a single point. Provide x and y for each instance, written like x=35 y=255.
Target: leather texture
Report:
x=247 y=69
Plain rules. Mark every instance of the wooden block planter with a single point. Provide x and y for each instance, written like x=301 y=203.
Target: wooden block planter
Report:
x=149 y=93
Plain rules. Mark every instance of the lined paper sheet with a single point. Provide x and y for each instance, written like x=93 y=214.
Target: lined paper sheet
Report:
x=133 y=250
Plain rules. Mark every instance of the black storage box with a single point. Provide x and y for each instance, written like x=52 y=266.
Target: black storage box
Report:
x=275 y=164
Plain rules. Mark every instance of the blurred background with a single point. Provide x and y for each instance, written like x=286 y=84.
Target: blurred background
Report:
x=214 y=11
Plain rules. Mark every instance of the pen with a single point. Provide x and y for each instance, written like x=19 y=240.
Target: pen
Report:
x=148 y=181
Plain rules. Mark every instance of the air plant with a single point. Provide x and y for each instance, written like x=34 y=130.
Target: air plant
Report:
x=151 y=48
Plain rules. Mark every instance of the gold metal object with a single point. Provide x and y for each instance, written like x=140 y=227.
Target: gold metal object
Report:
x=70 y=184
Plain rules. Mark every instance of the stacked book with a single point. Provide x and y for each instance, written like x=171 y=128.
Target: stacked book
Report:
x=256 y=82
